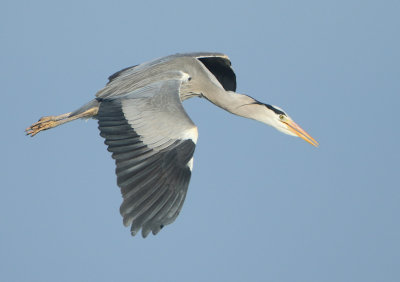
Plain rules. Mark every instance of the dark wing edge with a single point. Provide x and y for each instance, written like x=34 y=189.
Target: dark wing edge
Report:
x=221 y=68
x=153 y=183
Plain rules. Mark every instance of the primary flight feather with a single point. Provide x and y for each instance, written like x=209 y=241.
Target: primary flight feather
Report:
x=150 y=135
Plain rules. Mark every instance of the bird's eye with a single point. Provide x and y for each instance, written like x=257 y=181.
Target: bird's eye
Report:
x=281 y=117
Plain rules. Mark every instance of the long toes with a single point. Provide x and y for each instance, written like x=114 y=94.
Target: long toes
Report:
x=32 y=131
x=30 y=128
x=43 y=124
x=43 y=120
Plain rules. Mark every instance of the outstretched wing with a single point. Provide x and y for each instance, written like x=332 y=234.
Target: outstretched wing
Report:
x=152 y=140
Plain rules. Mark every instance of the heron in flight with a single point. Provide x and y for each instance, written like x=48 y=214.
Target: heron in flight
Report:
x=150 y=135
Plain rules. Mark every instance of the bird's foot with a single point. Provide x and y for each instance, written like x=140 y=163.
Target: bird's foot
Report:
x=43 y=124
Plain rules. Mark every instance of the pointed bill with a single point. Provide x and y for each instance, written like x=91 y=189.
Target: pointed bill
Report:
x=296 y=129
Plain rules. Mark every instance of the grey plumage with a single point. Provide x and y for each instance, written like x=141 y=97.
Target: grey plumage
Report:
x=151 y=137
x=152 y=165
x=143 y=129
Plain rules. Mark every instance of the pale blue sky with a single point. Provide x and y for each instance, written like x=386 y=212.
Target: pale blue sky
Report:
x=262 y=206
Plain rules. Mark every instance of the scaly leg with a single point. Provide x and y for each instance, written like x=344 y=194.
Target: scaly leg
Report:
x=52 y=121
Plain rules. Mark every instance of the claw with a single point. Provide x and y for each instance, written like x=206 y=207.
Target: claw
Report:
x=52 y=121
x=42 y=124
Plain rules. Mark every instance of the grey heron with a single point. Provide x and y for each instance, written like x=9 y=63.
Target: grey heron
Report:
x=151 y=137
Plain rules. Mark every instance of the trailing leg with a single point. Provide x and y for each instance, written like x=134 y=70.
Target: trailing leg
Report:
x=52 y=121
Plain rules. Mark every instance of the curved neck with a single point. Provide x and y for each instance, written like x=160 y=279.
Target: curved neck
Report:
x=239 y=104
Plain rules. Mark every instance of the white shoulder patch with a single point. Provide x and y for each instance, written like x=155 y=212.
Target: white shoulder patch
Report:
x=190 y=164
x=191 y=134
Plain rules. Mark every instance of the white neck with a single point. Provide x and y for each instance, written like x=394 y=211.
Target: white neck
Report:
x=241 y=105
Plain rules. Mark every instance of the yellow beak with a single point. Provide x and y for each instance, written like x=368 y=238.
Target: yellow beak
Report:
x=293 y=127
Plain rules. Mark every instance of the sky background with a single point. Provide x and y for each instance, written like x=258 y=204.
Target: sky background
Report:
x=261 y=206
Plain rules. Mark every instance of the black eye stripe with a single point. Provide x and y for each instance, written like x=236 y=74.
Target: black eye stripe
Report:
x=278 y=112
x=275 y=110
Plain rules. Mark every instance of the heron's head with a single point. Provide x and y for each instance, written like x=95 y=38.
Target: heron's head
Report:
x=277 y=118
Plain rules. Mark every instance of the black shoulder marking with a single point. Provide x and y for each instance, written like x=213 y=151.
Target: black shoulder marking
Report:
x=222 y=70
x=115 y=75
x=272 y=108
